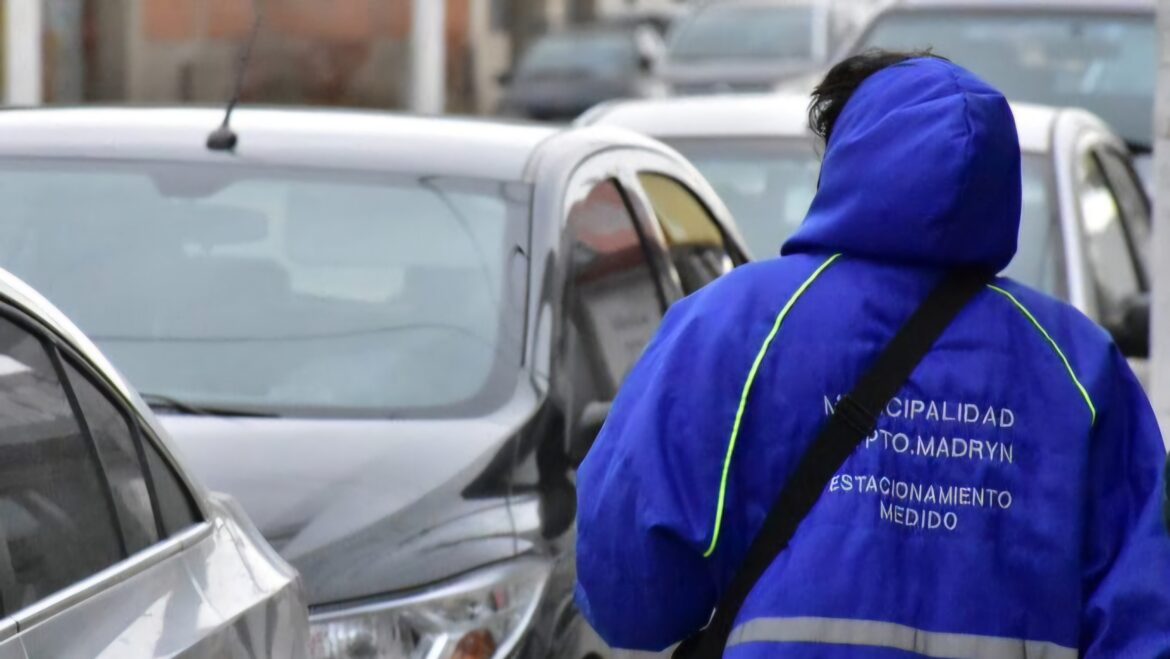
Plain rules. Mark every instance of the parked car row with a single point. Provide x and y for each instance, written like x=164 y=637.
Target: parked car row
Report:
x=388 y=341
x=720 y=46
x=1060 y=54
x=1099 y=55
x=388 y=338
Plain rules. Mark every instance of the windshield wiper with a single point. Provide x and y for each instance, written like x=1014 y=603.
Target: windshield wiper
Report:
x=163 y=402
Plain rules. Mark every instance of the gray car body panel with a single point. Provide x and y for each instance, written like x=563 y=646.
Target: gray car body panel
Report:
x=363 y=507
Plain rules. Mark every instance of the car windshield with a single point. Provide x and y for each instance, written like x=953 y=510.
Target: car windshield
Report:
x=592 y=53
x=282 y=291
x=1099 y=61
x=734 y=31
x=768 y=186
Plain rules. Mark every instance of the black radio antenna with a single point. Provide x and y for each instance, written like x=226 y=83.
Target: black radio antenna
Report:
x=224 y=138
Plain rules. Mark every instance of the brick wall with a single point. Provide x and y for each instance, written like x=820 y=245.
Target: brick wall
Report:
x=325 y=52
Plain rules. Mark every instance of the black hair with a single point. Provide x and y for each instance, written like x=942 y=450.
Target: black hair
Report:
x=831 y=95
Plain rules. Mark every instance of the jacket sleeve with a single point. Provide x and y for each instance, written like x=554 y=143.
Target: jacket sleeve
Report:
x=1127 y=550
x=647 y=491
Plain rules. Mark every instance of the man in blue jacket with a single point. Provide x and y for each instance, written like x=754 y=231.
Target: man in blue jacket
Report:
x=1008 y=504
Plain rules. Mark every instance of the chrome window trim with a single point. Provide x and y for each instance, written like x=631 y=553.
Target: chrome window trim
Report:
x=8 y=628
x=677 y=167
x=1068 y=142
x=109 y=577
x=149 y=433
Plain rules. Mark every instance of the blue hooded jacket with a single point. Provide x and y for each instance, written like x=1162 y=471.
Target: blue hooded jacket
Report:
x=1008 y=504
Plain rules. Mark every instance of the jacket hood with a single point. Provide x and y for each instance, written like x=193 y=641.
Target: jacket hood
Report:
x=923 y=167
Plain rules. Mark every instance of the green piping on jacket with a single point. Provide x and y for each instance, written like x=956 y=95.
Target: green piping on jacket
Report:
x=743 y=397
x=1059 y=353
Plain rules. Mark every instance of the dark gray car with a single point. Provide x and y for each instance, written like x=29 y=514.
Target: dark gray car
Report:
x=752 y=45
x=388 y=337
x=565 y=73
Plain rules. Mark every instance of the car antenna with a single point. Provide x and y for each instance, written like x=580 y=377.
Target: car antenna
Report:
x=224 y=138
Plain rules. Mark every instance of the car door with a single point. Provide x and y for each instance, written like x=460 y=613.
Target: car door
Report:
x=1114 y=229
x=699 y=246
x=689 y=220
x=104 y=549
x=642 y=231
x=618 y=285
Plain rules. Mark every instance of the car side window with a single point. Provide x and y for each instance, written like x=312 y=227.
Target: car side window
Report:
x=150 y=499
x=615 y=302
x=121 y=458
x=1134 y=205
x=697 y=246
x=56 y=520
x=1111 y=263
x=176 y=506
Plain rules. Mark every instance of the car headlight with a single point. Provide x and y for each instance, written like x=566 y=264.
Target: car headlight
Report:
x=482 y=615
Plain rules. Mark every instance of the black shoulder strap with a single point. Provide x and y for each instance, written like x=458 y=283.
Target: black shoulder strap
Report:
x=854 y=419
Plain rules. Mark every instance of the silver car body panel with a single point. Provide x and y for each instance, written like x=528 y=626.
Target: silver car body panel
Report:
x=214 y=590
x=1068 y=137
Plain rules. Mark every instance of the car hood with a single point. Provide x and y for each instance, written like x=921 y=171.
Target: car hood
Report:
x=364 y=507
x=731 y=73
x=568 y=91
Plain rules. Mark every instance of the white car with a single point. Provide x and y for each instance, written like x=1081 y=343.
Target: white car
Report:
x=1085 y=231
x=107 y=547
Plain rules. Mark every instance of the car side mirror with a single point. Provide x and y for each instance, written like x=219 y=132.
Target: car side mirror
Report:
x=586 y=430
x=1131 y=329
x=650 y=47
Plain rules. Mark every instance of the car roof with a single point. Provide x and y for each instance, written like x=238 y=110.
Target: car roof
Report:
x=754 y=3
x=1105 y=6
x=592 y=29
x=765 y=115
x=341 y=139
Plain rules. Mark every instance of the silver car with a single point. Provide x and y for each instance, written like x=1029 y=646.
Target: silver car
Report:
x=107 y=548
x=751 y=45
x=1085 y=230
